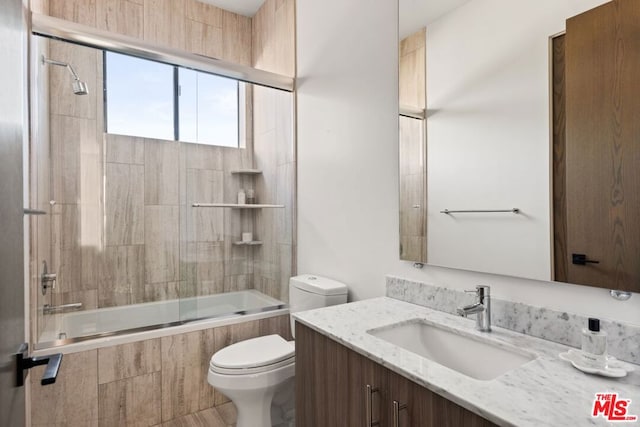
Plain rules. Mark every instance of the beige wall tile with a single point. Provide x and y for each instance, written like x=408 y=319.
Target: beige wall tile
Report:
x=92 y=266
x=412 y=193
x=122 y=280
x=285 y=148
x=202 y=12
x=210 y=268
x=264 y=40
x=236 y=38
x=40 y=6
x=285 y=179
x=85 y=63
x=164 y=22
x=274 y=37
x=131 y=401
x=162 y=291
x=285 y=271
x=66 y=226
x=413 y=247
x=205 y=224
x=68 y=135
x=120 y=16
x=199 y=156
x=128 y=360
x=80 y=11
x=279 y=325
x=161 y=173
x=238 y=282
x=412 y=79
x=185 y=360
x=69 y=269
x=124 y=149
x=203 y=39
x=415 y=41
x=285 y=36
x=162 y=228
x=124 y=204
x=411 y=146
x=73 y=398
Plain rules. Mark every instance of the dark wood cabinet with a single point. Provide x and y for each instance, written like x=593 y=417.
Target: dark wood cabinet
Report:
x=331 y=390
x=596 y=105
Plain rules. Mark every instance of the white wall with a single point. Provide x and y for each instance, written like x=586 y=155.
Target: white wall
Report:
x=347 y=149
x=488 y=133
x=348 y=141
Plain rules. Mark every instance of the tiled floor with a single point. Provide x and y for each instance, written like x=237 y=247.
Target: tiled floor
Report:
x=220 y=416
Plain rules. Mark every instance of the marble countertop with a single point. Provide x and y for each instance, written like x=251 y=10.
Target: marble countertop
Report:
x=544 y=392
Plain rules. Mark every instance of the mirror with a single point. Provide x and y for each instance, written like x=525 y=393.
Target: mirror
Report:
x=510 y=187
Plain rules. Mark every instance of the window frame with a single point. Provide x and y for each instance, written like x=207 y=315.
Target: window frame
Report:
x=176 y=88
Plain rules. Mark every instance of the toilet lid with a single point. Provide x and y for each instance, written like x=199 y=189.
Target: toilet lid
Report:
x=254 y=353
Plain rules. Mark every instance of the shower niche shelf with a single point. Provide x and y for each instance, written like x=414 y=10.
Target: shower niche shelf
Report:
x=235 y=206
x=246 y=172
x=252 y=243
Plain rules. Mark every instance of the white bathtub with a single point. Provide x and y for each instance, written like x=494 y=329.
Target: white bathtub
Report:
x=117 y=325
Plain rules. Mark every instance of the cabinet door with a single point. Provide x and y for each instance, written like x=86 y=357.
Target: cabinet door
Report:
x=331 y=391
x=413 y=407
x=603 y=145
x=420 y=407
x=331 y=383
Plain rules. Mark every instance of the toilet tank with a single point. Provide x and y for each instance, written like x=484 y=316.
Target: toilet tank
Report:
x=309 y=291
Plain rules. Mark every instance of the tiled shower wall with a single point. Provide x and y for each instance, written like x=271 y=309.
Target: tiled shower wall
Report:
x=274 y=150
x=145 y=383
x=413 y=203
x=122 y=230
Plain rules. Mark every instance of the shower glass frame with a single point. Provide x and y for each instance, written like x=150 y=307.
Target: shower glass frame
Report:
x=69 y=32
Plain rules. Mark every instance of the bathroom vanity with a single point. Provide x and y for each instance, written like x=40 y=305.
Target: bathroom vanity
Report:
x=361 y=392
x=354 y=368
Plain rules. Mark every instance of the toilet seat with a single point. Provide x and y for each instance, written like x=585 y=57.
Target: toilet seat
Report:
x=253 y=356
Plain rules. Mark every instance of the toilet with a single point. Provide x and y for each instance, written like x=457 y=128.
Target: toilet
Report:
x=258 y=373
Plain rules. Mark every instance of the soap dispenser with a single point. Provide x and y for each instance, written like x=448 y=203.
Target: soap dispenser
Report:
x=594 y=344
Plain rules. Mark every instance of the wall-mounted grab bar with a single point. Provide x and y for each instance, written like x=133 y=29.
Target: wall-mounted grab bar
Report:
x=51 y=309
x=514 y=210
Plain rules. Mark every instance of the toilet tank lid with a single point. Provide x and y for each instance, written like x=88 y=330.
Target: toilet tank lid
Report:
x=318 y=285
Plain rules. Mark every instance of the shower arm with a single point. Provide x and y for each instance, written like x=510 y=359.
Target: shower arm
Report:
x=61 y=64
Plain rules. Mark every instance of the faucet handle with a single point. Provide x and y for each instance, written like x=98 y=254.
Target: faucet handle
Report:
x=481 y=291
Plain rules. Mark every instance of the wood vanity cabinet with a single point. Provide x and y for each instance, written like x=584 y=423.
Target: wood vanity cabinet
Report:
x=331 y=390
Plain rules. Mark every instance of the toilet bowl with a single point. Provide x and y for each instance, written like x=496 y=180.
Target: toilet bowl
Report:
x=258 y=374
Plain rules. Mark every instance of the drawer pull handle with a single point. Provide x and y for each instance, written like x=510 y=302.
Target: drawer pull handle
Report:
x=368 y=406
x=397 y=407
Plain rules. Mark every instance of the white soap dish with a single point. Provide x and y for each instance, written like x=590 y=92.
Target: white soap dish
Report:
x=614 y=368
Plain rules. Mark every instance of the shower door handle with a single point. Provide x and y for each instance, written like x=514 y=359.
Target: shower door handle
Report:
x=23 y=363
x=28 y=211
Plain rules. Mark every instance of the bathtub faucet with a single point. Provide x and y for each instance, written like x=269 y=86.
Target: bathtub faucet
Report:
x=52 y=309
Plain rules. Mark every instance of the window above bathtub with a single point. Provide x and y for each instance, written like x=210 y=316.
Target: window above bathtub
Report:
x=150 y=99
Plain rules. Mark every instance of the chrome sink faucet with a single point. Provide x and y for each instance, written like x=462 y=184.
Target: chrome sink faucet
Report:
x=481 y=308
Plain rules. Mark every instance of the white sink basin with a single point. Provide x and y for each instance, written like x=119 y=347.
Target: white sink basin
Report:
x=467 y=354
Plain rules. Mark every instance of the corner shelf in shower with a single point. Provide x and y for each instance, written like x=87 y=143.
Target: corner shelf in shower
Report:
x=235 y=206
x=252 y=243
x=246 y=172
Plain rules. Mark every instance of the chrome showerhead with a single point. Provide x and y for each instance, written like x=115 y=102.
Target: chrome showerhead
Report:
x=79 y=87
